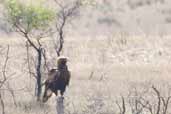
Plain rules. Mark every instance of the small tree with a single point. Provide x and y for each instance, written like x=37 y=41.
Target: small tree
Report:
x=65 y=12
x=33 y=23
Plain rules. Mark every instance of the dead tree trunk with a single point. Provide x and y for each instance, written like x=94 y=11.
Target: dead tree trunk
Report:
x=38 y=72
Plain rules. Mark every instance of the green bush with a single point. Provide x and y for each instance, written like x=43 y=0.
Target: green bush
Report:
x=29 y=16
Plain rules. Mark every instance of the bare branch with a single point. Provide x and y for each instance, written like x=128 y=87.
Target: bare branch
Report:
x=25 y=34
x=122 y=108
x=28 y=58
x=12 y=94
x=45 y=59
x=145 y=104
x=30 y=42
x=65 y=13
x=2 y=104
x=159 y=99
x=165 y=104
x=4 y=68
x=123 y=105
x=5 y=63
x=2 y=82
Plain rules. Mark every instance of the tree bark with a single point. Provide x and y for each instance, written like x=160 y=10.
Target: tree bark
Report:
x=38 y=71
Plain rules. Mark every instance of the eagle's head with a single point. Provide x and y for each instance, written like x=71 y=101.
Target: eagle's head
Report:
x=62 y=62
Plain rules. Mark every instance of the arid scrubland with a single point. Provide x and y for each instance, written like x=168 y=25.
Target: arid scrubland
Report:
x=113 y=72
x=102 y=73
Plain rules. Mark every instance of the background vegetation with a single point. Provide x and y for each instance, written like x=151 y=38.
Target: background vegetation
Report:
x=119 y=55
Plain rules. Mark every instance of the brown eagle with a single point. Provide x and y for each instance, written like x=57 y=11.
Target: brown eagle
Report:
x=57 y=79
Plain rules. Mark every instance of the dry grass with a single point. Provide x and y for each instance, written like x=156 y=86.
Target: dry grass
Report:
x=104 y=68
x=116 y=65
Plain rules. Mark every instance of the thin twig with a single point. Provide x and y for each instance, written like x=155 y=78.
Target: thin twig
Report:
x=2 y=104
x=159 y=99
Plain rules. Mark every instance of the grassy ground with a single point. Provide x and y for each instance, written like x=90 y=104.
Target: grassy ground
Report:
x=103 y=69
